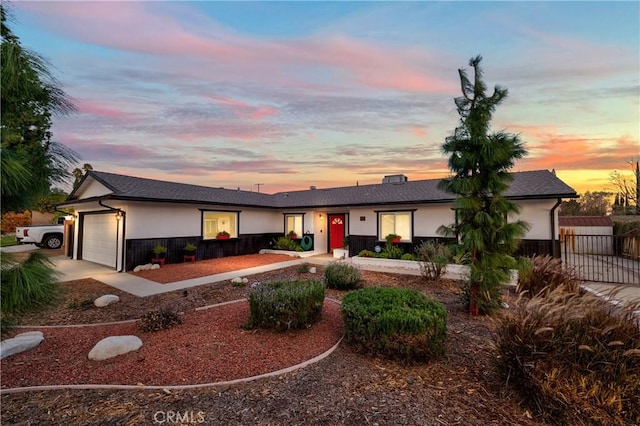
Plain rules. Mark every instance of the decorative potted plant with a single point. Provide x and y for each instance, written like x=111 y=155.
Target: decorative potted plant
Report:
x=292 y=235
x=393 y=238
x=189 y=249
x=345 y=242
x=159 y=251
x=223 y=235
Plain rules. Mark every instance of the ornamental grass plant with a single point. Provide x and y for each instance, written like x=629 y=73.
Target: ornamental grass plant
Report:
x=546 y=273
x=27 y=285
x=575 y=358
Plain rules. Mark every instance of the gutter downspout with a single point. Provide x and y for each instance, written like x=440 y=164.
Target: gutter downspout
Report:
x=122 y=214
x=553 y=227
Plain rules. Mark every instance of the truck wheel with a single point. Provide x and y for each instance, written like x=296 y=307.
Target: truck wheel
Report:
x=53 y=242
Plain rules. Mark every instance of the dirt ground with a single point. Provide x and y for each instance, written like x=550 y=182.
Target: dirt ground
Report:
x=347 y=387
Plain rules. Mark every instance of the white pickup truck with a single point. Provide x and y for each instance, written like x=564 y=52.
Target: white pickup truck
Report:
x=47 y=236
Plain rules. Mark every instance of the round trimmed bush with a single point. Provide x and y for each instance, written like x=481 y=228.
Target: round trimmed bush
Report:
x=396 y=323
x=285 y=305
x=342 y=276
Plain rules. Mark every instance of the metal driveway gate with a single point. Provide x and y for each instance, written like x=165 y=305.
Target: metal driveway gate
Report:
x=603 y=258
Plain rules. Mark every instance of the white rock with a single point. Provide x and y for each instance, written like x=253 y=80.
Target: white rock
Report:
x=106 y=300
x=20 y=343
x=137 y=268
x=245 y=280
x=504 y=305
x=312 y=270
x=155 y=266
x=114 y=346
x=236 y=280
x=146 y=266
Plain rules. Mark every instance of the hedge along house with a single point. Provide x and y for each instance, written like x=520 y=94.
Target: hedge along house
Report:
x=119 y=219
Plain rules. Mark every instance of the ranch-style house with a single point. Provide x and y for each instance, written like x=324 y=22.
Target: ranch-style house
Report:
x=119 y=219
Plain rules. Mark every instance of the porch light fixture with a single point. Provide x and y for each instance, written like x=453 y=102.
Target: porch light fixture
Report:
x=119 y=215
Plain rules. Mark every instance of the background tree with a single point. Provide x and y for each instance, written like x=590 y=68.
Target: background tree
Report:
x=589 y=204
x=480 y=162
x=78 y=173
x=627 y=187
x=30 y=97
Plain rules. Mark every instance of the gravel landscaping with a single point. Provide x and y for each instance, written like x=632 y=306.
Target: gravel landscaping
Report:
x=346 y=387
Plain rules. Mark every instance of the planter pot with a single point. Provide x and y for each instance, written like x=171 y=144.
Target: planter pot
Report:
x=223 y=237
x=396 y=240
x=341 y=253
x=293 y=237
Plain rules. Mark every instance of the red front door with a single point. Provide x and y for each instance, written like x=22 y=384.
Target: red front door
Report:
x=336 y=231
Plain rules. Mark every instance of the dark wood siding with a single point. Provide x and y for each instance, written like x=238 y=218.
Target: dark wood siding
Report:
x=139 y=250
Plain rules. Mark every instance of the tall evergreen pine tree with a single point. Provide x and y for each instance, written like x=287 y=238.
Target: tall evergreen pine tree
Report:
x=480 y=163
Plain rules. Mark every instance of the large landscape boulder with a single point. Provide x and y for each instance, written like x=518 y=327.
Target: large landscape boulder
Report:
x=114 y=346
x=106 y=300
x=20 y=343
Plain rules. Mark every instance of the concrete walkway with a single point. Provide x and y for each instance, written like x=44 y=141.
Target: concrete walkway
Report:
x=141 y=287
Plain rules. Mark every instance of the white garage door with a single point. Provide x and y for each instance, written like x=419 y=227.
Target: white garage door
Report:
x=99 y=239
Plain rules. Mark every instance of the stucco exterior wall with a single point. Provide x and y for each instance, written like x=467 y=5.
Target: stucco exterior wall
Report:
x=146 y=220
x=536 y=213
x=92 y=188
x=427 y=218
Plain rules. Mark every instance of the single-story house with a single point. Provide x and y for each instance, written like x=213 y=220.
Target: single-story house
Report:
x=119 y=219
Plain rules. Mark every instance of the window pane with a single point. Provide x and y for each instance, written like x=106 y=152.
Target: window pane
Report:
x=403 y=225
x=215 y=222
x=387 y=225
x=293 y=223
x=395 y=223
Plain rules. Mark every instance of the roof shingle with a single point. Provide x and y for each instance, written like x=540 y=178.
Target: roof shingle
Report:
x=532 y=184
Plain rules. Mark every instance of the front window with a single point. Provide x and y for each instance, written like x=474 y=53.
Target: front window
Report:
x=213 y=223
x=398 y=223
x=293 y=222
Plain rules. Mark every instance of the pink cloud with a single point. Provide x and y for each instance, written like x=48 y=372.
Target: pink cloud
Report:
x=153 y=29
x=419 y=132
x=101 y=109
x=244 y=110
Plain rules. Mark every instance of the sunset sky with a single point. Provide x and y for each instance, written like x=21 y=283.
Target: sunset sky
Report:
x=292 y=94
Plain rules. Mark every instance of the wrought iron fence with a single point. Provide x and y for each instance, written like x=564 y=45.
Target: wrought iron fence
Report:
x=604 y=258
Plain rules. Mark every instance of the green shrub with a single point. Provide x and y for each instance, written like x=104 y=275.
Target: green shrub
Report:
x=342 y=276
x=545 y=273
x=433 y=259
x=459 y=255
x=304 y=268
x=285 y=305
x=391 y=251
x=409 y=256
x=286 y=243
x=82 y=305
x=575 y=358
x=397 y=323
x=28 y=285
x=161 y=319
x=366 y=253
